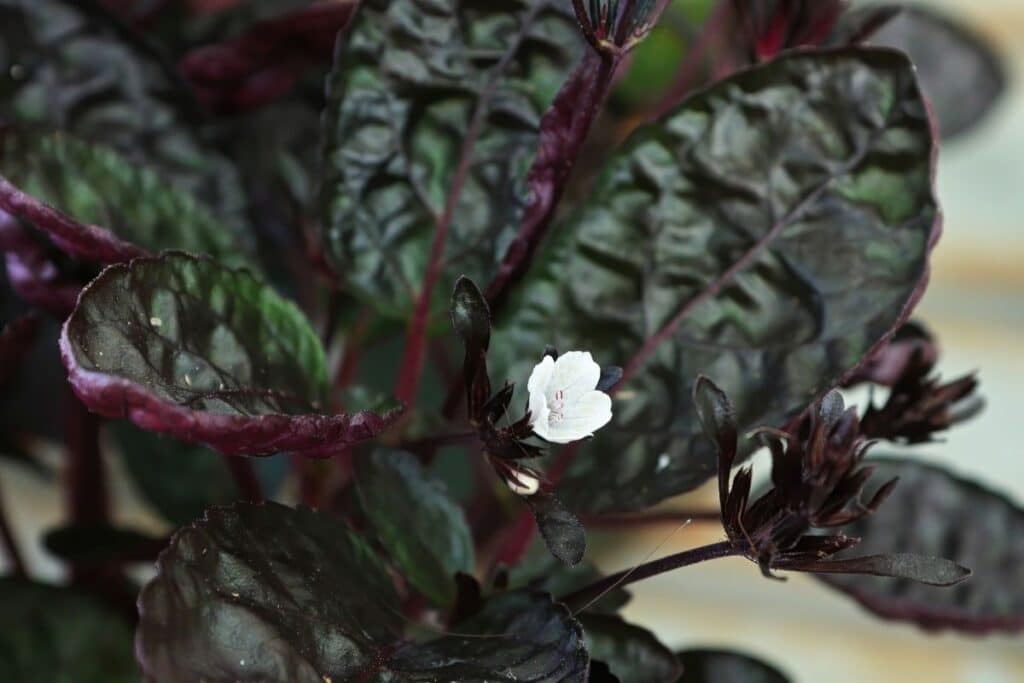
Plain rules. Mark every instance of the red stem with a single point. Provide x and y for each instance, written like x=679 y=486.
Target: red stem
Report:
x=87 y=497
x=411 y=368
x=579 y=600
x=245 y=478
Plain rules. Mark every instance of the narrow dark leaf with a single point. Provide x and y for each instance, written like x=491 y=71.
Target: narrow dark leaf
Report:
x=694 y=256
x=83 y=544
x=55 y=634
x=420 y=527
x=279 y=595
x=433 y=119
x=935 y=513
x=959 y=69
x=632 y=654
x=722 y=666
x=471 y=316
x=562 y=531
x=933 y=571
x=183 y=346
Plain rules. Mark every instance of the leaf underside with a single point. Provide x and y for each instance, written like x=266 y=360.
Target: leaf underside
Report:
x=775 y=228
x=181 y=345
x=932 y=512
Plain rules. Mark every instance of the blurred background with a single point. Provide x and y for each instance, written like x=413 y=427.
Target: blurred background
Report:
x=975 y=306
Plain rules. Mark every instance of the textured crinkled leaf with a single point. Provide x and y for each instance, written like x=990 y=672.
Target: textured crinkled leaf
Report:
x=632 y=654
x=933 y=512
x=420 y=527
x=721 y=666
x=65 y=68
x=98 y=187
x=408 y=82
x=960 y=72
x=280 y=595
x=184 y=346
x=561 y=530
x=773 y=230
x=55 y=634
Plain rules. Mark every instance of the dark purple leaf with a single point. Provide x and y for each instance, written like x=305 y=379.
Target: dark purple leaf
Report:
x=539 y=570
x=183 y=346
x=420 y=527
x=433 y=121
x=959 y=70
x=561 y=530
x=274 y=594
x=632 y=654
x=34 y=269
x=723 y=666
x=56 y=634
x=710 y=247
x=933 y=512
x=96 y=544
x=931 y=571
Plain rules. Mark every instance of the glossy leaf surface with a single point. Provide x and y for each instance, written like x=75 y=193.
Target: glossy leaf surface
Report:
x=632 y=654
x=433 y=117
x=183 y=346
x=933 y=512
x=420 y=527
x=274 y=594
x=768 y=233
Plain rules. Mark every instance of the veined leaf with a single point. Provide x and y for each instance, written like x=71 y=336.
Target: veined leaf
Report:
x=280 y=595
x=422 y=529
x=184 y=346
x=769 y=234
x=933 y=512
x=433 y=119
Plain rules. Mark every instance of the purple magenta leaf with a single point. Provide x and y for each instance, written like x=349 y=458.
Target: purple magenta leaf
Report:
x=184 y=346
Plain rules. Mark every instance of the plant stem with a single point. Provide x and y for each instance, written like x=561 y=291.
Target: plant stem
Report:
x=10 y=542
x=579 y=600
x=87 y=499
x=245 y=478
x=411 y=368
x=671 y=517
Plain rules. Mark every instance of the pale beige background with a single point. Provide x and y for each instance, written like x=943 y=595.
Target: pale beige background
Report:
x=975 y=306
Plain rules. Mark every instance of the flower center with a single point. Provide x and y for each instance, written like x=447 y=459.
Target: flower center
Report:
x=557 y=407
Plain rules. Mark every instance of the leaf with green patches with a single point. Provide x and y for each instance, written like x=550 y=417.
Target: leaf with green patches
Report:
x=769 y=233
x=268 y=593
x=419 y=92
x=420 y=527
x=184 y=346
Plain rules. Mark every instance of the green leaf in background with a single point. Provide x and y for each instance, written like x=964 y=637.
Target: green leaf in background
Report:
x=768 y=233
x=933 y=512
x=96 y=185
x=413 y=84
x=723 y=666
x=269 y=593
x=180 y=480
x=420 y=527
x=68 y=69
x=182 y=345
x=57 y=635
x=632 y=654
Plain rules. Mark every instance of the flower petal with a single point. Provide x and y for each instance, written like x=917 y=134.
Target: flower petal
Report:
x=575 y=374
x=582 y=419
x=541 y=375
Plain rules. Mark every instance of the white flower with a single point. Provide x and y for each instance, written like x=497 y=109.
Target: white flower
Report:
x=565 y=404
